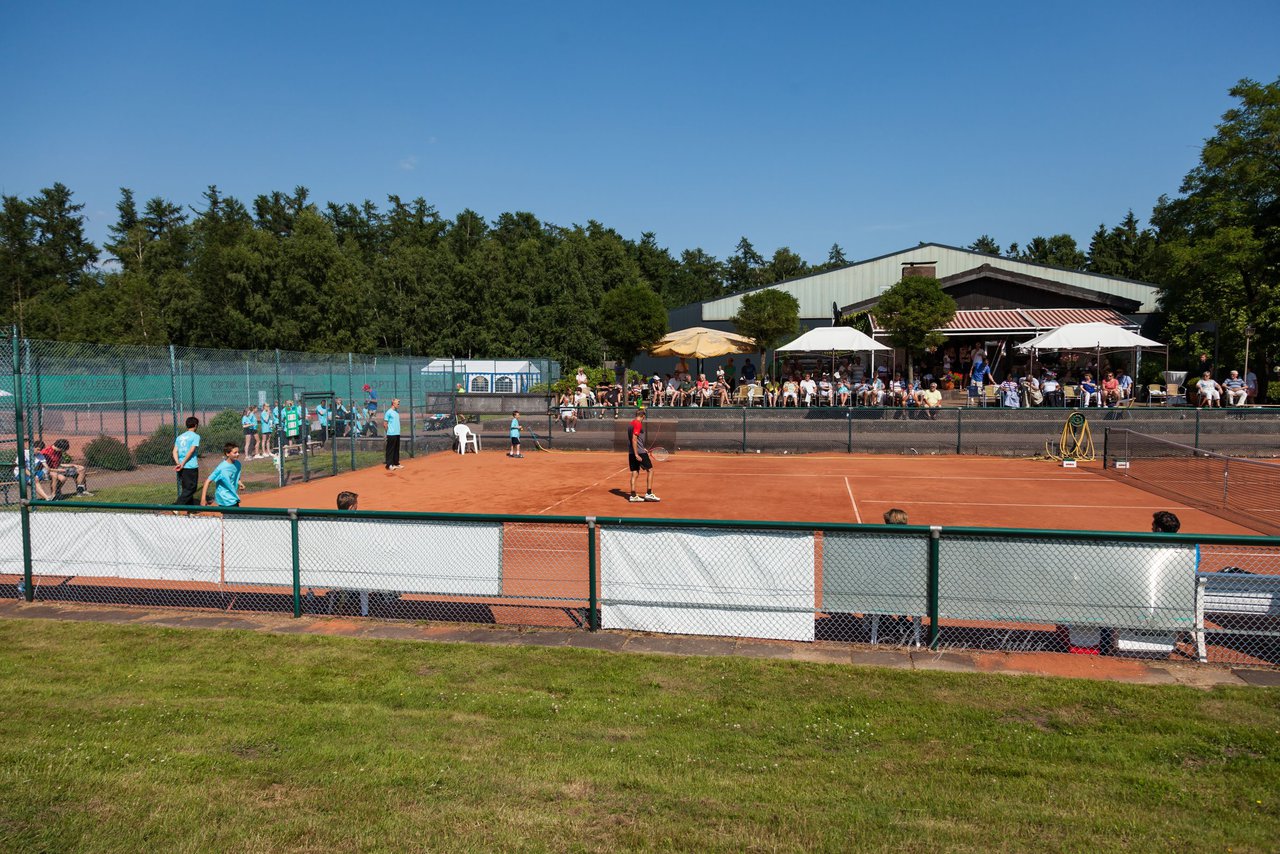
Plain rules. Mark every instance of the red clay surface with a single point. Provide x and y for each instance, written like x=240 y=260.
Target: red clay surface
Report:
x=980 y=491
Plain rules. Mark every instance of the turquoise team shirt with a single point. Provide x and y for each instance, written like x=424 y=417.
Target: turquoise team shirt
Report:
x=515 y=428
x=322 y=415
x=265 y=421
x=393 y=422
x=249 y=422
x=184 y=443
x=226 y=480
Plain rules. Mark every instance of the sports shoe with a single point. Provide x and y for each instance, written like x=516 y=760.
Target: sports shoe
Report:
x=649 y=496
x=86 y=493
x=636 y=499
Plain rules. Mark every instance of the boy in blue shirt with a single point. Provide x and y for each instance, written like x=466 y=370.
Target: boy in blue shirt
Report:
x=186 y=462
x=392 y=420
x=515 y=435
x=226 y=479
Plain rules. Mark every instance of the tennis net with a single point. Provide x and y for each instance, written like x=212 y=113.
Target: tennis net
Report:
x=1243 y=490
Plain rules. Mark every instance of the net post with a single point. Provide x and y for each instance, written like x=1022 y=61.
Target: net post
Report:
x=848 y=417
x=297 y=563
x=935 y=536
x=593 y=571
x=279 y=431
x=1196 y=443
x=1106 y=446
x=959 y=430
x=28 y=587
x=744 y=430
x=413 y=436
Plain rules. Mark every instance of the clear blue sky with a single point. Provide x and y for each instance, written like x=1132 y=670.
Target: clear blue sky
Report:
x=800 y=125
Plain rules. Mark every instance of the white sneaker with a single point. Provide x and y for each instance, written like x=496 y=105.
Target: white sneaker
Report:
x=636 y=499
x=649 y=496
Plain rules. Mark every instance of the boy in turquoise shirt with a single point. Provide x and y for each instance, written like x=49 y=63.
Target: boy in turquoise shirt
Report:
x=225 y=478
x=186 y=462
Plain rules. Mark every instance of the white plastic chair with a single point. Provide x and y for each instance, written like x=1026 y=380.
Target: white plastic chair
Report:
x=465 y=437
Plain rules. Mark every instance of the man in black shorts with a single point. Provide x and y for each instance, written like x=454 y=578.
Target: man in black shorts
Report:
x=638 y=458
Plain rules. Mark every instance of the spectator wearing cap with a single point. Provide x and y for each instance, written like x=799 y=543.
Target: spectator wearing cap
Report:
x=371 y=400
x=655 y=390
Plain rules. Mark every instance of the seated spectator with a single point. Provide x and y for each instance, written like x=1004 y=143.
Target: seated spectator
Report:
x=824 y=390
x=754 y=391
x=874 y=394
x=1089 y=391
x=898 y=392
x=722 y=392
x=930 y=401
x=842 y=393
x=672 y=391
x=1126 y=384
x=808 y=389
x=1052 y=389
x=702 y=391
x=791 y=392
x=568 y=414
x=1236 y=389
x=771 y=392
x=60 y=471
x=37 y=476
x=895 y=516
x=1209 y=390
x=655 y=391
x=686 y=390
x=612 y=398
x=1031 y=388
x=1111 y=390
x=1010 y=393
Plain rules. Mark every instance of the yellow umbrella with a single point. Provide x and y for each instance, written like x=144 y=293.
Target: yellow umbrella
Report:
x=699 y=342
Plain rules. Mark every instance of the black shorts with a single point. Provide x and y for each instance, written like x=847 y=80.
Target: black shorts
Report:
x=515 y=440
x=641 y=462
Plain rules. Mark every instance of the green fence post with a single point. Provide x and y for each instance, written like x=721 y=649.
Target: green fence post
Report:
x=297 y=563
x=935 y=536
x=24 y=509
x=959 y=430
x=744 y=430
x=124 y=403
x=1197 y=441
x=593 y=600
x=279 y=433
x=413 y=435
x=848 y=415
x=173 y=387
x=351 y=422
x=1106 y=446
x=39 y=395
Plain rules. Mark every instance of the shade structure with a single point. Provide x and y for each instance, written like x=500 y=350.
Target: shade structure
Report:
x=833 y=339
x=1088 y=336
x=699 y=342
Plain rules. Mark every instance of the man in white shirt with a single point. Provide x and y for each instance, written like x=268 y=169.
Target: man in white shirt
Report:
x=808 y=389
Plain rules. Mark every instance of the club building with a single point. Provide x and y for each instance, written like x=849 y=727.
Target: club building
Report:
x=999 y=301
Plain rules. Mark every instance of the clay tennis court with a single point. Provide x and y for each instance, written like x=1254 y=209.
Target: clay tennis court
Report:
x=934 y=490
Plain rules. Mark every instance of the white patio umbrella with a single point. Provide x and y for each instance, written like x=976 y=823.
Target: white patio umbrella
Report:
x=833 y=340
x=1090 y=336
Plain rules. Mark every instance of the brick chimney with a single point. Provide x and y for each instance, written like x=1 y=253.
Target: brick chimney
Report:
x=920 y=268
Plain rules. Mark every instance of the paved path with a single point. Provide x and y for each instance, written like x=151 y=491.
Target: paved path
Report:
x=1015 y=663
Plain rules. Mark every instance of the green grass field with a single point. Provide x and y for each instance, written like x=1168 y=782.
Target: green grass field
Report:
x=127 y=738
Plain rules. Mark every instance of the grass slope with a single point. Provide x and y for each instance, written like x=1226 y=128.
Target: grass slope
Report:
x=127 y=738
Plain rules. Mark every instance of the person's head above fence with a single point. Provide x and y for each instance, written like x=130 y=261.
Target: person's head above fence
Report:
x=348 y=500
x=1164 y=522
x=895 y=516
x=192 y=422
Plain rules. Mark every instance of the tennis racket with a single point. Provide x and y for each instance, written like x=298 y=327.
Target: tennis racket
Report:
x=659 y=454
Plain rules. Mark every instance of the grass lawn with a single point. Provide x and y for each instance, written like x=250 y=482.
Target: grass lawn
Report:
x=125 y=738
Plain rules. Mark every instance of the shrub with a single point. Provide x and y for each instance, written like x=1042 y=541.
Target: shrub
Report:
x=222 y=428
x=107 y=452
x=156 y=449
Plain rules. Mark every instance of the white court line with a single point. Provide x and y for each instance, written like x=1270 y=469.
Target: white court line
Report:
x=976 y=476
x=856 y=514
x=1163 y=506
x=584 y=489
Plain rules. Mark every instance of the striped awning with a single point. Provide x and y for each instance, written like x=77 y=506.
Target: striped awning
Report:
x=1023 y=321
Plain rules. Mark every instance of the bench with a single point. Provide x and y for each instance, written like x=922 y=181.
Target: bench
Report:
x=1234 y=594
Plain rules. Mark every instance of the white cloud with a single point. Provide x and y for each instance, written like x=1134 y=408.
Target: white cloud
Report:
x=409 y=163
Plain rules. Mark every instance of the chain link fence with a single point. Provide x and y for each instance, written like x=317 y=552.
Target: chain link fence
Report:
x=1176 y=597
x=296 y=416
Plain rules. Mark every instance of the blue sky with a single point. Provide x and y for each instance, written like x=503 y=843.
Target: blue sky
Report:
x=799 y=125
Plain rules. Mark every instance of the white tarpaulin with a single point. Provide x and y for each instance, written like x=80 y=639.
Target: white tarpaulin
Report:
x=448 y=558
x=708 y=582
x=833 y=339
x=874 y=574
x=126 y=545
x=1088 y=336
x=11 y=543
x=1078 y=582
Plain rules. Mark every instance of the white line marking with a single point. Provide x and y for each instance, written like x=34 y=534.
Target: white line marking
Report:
x=849 y=488
x=584 y=489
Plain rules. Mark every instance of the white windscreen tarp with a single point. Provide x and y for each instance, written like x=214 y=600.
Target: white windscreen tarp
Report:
x=11 y=543
x=1130 y=585
x=875 y=573
x=447 y=558
x=708 y=582
x=153 y=546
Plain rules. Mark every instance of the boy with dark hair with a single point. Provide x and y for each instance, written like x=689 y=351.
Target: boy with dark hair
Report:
x=348 y=501
x=1164 y=522
x=515 y=435
x=60 y=473
x=226 y=479
x=638 y=458
x=186 y=462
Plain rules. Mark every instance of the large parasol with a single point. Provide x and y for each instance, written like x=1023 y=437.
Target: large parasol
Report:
x=698 y=342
